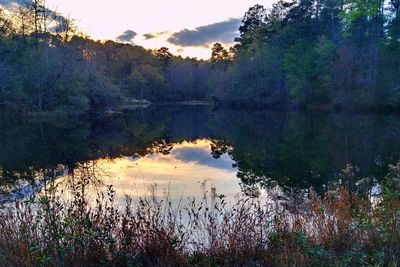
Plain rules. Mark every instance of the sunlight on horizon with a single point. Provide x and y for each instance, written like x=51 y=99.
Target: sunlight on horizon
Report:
x=104 y=21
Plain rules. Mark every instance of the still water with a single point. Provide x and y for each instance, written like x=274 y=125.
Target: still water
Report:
x=182 y=151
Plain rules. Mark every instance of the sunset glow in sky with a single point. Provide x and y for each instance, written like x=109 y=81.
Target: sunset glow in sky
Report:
x=187 y=27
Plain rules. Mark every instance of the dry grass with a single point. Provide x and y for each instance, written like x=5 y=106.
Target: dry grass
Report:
x=341 y=230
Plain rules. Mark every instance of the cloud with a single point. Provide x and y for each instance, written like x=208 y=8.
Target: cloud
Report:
x=218 y=32
x=127 y=36
x=7 y=3
x=14 y=3
x=148 y=36
x=4 y=3
x=59 y=21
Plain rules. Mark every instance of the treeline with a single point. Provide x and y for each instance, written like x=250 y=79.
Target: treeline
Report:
x=315 y=53
x=47 y=66
x=320 y=54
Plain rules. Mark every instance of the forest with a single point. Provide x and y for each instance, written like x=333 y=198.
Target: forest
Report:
x=312 y=54
x=279 y=149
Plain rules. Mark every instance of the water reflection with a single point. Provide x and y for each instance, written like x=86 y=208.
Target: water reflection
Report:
x=231 y=149
x=178 y=173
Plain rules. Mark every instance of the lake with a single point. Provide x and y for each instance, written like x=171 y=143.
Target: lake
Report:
x=184 y=151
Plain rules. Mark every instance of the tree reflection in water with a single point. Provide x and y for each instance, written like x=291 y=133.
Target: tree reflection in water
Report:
x=292 y=150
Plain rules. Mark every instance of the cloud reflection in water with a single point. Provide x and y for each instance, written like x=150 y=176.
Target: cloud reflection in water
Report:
x=179 y=173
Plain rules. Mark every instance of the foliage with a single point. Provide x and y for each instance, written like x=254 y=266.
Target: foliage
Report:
x=49 y=68
x=335 y=230
x=334 y=53
x=301 y=53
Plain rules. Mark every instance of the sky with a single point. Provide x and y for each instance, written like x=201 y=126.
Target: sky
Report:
x=186 y=27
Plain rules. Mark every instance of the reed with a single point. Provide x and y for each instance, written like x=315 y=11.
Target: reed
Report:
x=341 y=230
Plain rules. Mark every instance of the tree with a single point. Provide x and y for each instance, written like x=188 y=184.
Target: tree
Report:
x=147 y=83
x=326 y=56
x=165 y=57
x=394 y=23
x=5 y=24
x=300 y=70
x=66 y=28
x=219 y=56
x=25 y=18
x=364 y=28
x=252 y=19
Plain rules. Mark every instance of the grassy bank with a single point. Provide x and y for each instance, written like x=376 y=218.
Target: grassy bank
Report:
x=342 y=229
